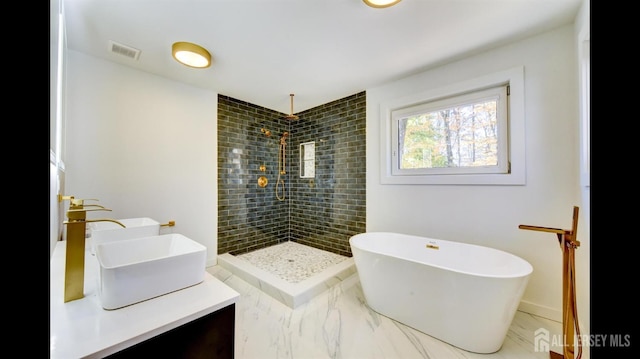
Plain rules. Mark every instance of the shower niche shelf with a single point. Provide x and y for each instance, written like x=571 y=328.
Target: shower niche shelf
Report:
x=308 y=159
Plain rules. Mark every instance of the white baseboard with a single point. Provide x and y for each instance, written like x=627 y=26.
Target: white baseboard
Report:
x=540 y=311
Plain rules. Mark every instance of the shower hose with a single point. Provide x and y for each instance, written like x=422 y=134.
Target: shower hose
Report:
x=281 y=169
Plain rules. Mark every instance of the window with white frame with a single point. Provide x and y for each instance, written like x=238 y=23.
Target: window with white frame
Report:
x=467 y=133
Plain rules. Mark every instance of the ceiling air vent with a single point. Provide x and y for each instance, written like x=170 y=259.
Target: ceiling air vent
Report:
x=124 y=50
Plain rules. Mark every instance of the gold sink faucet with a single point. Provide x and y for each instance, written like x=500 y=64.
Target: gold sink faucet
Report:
x=76 y=234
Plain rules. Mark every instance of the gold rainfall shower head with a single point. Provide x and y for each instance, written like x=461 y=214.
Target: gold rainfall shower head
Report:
x=291 y=116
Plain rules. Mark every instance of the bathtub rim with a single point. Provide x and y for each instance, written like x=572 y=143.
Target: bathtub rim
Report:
x=525 y=268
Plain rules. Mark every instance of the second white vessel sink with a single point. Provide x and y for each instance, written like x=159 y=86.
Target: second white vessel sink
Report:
x=103 y=232
x=138 y=269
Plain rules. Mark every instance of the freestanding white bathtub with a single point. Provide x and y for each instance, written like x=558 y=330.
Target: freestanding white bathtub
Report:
x=463 y=294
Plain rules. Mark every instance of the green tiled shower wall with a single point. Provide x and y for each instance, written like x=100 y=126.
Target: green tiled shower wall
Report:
x=322 y=212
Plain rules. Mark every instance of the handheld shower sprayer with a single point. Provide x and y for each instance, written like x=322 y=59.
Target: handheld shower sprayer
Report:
x=282 y=165
x=283 y=139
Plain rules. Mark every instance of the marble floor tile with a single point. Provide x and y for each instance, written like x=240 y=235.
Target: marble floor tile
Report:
x=338 y=324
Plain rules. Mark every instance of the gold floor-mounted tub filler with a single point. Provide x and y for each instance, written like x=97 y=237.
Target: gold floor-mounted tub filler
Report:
x=567 y=238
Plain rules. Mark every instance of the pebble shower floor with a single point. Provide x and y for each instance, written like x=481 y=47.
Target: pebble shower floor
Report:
x=292 y=261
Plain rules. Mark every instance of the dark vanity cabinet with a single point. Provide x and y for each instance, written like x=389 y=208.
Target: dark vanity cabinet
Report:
x=210 y=336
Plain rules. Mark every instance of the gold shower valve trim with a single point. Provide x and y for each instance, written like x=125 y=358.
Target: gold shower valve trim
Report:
x=263 y=181
x=263 y=168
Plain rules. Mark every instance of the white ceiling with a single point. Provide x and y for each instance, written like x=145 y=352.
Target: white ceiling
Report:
x=319 y=50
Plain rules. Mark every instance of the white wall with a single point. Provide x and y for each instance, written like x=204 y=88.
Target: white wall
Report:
x=490 y=215
x=144 y=146
x=583 y=265
x=55 y=172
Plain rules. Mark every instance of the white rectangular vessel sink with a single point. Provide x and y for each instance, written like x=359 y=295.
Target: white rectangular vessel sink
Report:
x=103 y=232
x=138 y=269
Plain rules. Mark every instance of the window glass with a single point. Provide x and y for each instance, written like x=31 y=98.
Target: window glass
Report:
x=460 y=134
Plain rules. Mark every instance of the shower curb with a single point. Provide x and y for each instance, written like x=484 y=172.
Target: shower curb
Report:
x=291 y=294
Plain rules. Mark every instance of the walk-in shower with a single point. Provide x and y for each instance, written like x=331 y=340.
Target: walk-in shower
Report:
x=324 y=186
x=323 y=207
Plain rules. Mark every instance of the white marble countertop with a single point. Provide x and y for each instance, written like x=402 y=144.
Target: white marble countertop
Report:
x=82 y=328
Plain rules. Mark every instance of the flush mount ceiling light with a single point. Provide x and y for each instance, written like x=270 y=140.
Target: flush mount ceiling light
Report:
x=191 y=55
x=381 y=3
